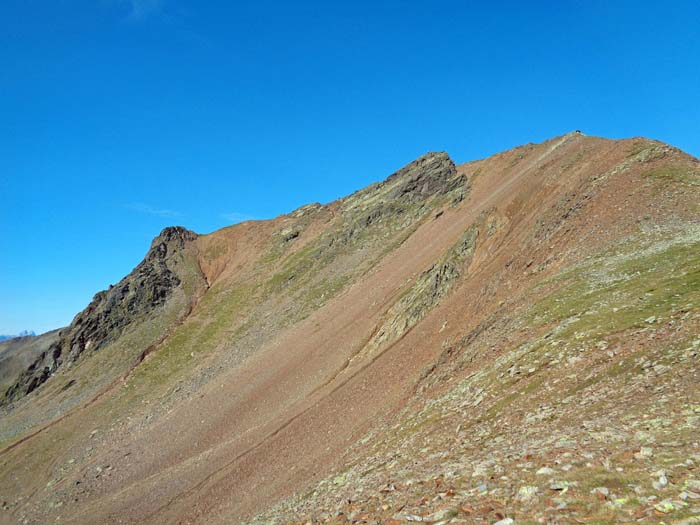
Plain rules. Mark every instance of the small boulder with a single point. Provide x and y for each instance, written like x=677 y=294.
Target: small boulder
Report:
x=505 y=521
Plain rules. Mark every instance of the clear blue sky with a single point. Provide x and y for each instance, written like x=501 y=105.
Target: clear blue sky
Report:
x=118 y=118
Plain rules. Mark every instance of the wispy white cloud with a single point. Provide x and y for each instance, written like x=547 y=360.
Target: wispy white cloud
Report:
x=140 y=9
x=236 y=217
x=150 y=210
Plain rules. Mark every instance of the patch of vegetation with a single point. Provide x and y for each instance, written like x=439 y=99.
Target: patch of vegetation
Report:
x=221 y=313
x=320 y=292
x=671 y=173
x=637 y=147
x=507 y=400
x=593 y=477
x=631 y=290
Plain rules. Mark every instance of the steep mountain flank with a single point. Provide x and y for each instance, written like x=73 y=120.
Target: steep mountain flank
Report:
x=147 y=287
x=513 y=338
x=136 y=313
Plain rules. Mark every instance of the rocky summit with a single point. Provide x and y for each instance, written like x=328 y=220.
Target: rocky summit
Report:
x=510 y=340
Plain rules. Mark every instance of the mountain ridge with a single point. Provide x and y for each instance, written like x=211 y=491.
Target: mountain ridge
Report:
x=302 y=345
x=23 y=333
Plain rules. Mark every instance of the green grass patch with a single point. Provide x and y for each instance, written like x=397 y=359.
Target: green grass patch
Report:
x=620 y=292
x=616 y=482
x=671 y=173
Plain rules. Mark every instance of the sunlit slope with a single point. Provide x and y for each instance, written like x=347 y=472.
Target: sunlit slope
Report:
x=320 y=341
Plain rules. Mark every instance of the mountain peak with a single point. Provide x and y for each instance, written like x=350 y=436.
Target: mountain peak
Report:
x=174 y=234
x=428 y=175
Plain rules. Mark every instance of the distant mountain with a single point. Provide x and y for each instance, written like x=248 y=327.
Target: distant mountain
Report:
x=23 y=333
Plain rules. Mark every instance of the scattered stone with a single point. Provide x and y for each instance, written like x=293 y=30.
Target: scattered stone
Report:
x=406 y=517
x=692 y=485
x=289 y=234
x=560 y=486
x=693 y=520
x=505 y=521
x=618 y=503
x=661 y=482
x=527 y=493
x=442 y=515
x=601 y=492
x=545 y=471
x=666 y=506
x=644 y=453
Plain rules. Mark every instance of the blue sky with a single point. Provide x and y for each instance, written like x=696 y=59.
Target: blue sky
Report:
x=119 y=117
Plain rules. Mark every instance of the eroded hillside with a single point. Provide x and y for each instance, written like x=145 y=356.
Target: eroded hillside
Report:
x=512 y=338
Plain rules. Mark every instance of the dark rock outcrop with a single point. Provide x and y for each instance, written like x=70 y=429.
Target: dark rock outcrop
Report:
x=402 y=199
x=147 y=287
x=431 y=174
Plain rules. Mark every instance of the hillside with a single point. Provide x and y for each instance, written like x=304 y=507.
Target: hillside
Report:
x=514 y=338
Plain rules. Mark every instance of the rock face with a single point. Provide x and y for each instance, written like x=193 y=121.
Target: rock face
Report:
x=433 y=284
x=428 y=175
x=147 y=287
x=402 y=200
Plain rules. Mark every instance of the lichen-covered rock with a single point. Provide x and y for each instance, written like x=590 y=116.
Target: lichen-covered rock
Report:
x=428 y=175
x=433 y=284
